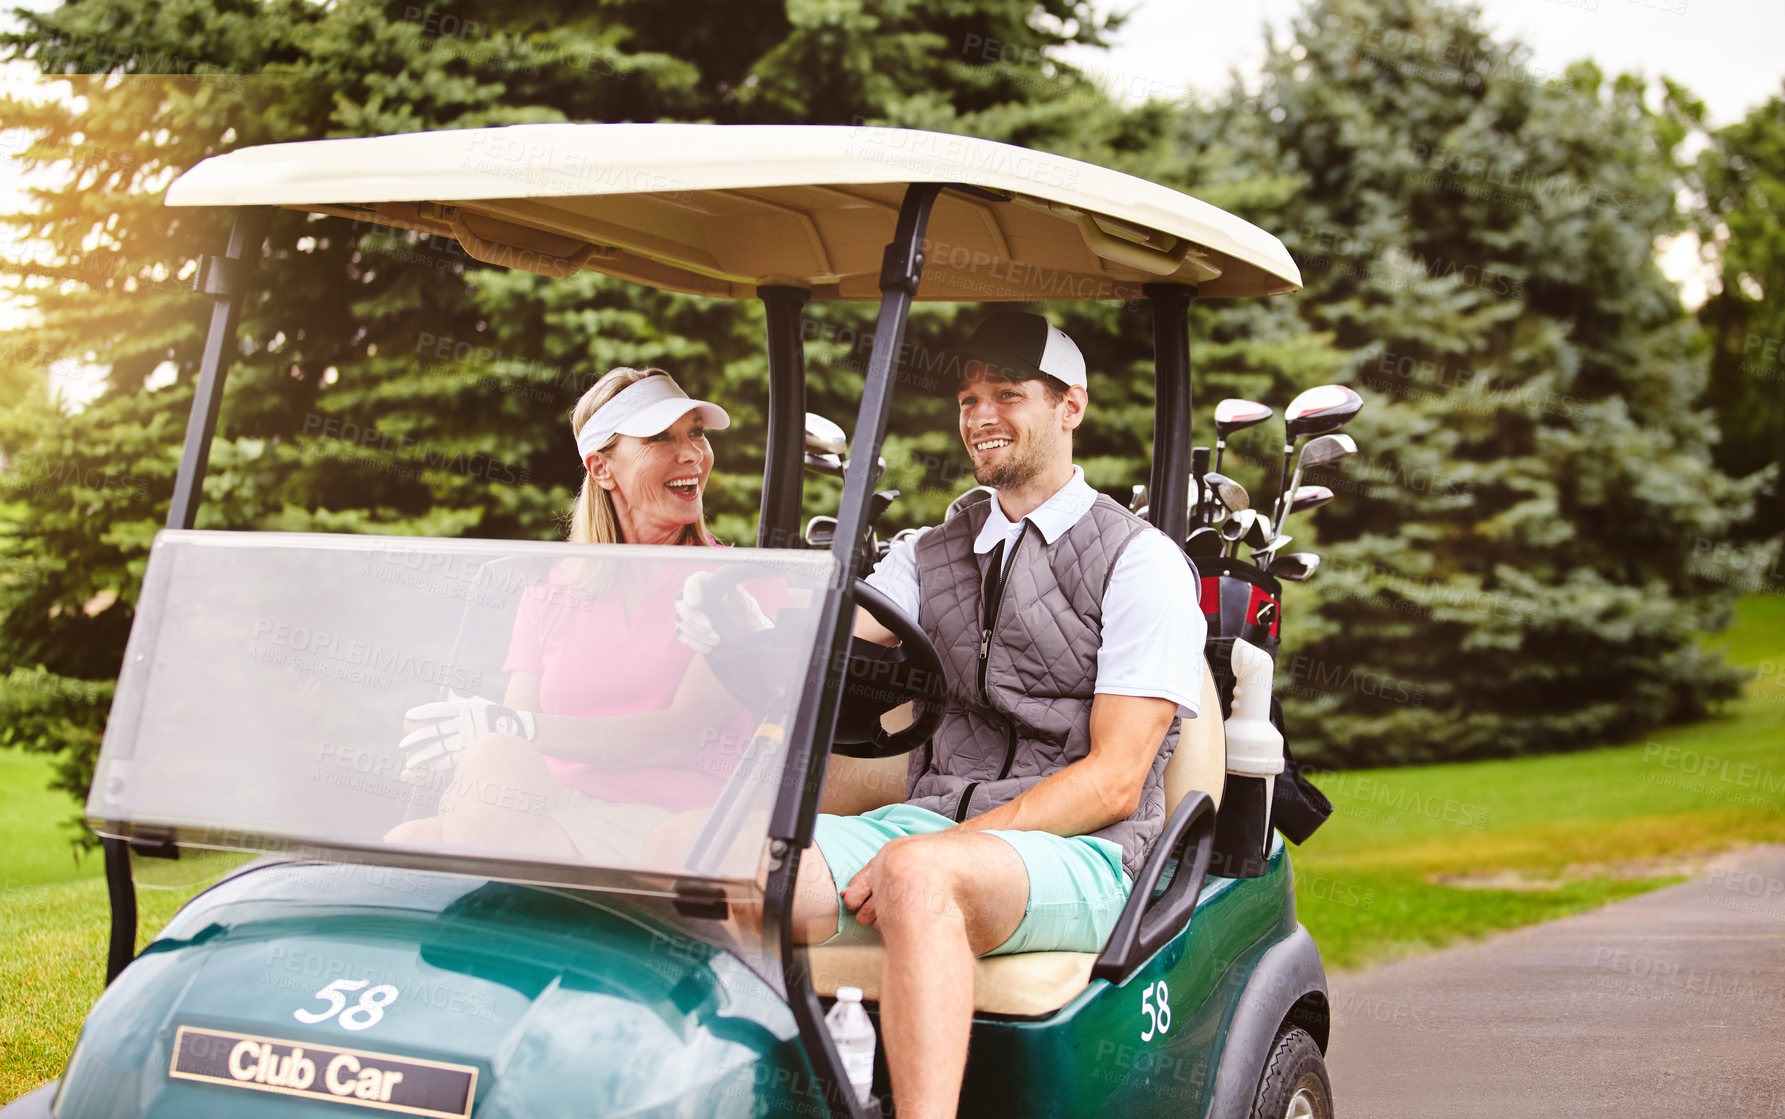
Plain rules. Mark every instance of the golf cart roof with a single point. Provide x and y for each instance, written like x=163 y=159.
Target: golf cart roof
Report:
x=722 y=210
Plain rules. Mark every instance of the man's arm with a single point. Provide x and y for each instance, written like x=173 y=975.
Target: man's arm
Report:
x=896 y=578
x=868 y=629
x=1100 y=788
x=1149 y=669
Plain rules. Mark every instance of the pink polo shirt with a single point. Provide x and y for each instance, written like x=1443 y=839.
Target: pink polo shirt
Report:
x=593 y=660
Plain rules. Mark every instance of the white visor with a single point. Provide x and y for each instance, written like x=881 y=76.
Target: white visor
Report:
x=645 y=408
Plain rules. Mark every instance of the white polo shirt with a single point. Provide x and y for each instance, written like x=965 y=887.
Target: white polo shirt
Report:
x=1153 y=629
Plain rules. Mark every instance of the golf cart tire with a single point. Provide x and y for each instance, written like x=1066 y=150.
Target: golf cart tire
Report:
x=1295 y=1066
x=33 y=1104
x=1286 y=989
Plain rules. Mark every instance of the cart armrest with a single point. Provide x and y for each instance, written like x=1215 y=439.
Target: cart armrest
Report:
x=1148 y=922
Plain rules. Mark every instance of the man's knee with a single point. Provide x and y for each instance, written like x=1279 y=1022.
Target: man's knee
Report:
x=917 y=880
x=814 y=899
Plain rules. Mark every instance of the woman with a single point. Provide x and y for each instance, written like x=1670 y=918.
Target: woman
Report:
x=609 y=725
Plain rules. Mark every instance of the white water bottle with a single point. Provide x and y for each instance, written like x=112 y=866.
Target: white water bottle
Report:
x=853 y=1033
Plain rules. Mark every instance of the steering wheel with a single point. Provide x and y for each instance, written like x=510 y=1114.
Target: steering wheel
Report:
x=878 y=678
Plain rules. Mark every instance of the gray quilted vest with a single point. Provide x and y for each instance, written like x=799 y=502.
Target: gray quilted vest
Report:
x=1030 y=713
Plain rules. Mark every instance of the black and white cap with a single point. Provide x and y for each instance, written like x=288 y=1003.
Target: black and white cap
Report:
x=1022 y=346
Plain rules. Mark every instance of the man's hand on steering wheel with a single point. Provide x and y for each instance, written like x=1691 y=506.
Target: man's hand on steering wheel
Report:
x=878 y=678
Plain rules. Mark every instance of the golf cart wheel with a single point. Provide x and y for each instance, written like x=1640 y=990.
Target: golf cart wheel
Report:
x=1295 y=1085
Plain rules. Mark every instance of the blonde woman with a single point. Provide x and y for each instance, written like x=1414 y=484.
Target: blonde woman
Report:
x=606 y=726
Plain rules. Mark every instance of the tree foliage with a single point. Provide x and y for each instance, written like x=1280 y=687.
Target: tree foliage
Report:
x=1509 y=566
x=1742 y=177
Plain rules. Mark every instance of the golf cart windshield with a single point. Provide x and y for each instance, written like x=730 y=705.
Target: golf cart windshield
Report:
x=510 y=709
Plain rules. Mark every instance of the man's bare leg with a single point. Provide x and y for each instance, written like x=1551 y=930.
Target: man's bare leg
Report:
x=814 y=905
x=939 y=901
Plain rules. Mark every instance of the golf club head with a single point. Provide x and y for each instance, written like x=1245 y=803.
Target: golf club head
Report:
x=1235 y=528
x=1258 y=533
x=967 y=501
x=879 y=503
x=1234 y=414
x=1326 y=450
x=1227 y=491
x=820 y=463
x=1203 y=541
x=1308 y=497
x=824 y=436
x=820 y=531
x=1138 y=499
x=1297 y=567
x=1323 y=450
x=1322 y=408
x=1262 y=556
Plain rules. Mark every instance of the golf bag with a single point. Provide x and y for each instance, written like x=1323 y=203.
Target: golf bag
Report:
x=1241 y=602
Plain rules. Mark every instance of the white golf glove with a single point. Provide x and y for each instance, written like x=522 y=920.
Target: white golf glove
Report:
x=736 y=613
x=448 y=726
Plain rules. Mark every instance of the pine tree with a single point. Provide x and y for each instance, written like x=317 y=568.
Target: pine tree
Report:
x=1509 y=566
x=1742 y=177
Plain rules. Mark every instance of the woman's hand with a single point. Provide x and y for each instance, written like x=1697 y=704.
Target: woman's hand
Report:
x=439 y=731
x=702 y=624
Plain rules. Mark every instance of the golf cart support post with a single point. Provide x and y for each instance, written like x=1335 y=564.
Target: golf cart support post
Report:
x=225 y=280
x=1249 y=262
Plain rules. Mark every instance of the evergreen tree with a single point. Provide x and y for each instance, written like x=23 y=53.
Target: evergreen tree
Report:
x=1742 y=177
x=1510 y=561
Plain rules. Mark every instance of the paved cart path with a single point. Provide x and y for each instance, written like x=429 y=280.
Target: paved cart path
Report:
x=1668 y=1004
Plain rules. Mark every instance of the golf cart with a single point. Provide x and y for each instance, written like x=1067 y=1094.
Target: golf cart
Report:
x=360 y=962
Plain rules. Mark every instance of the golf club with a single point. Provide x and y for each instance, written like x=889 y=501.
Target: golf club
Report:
x=1307 y=497
x=1235 y=528
x=820 y=531
x=1297 y=567
x=824 y=436
x=1199 y=465
x=1234 y=414
x=1203 y=541
x=1259 y=534
x=1321 y=409
x=1228 y=493
x=1323 y=451
x=1261 y=557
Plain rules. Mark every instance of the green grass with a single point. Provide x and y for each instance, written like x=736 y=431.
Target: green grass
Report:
x=1568 y=831
x=54 y=921
x=30 y=812
x=1573 y=831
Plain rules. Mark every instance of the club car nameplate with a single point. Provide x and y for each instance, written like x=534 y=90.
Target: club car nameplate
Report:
x=406 y=1085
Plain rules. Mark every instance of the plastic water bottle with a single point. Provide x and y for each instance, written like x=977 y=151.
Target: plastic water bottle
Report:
x=853 y=1033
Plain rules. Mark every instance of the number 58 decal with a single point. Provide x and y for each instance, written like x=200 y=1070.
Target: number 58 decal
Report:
x=1158 y=1011
x=363 y=1014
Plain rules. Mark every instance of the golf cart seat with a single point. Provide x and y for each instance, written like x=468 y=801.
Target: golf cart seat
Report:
x=1033 y=984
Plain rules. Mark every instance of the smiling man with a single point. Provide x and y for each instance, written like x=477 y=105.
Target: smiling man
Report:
x=1072 y=640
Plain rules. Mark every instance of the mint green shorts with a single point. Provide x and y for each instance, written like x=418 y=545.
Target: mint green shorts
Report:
x=1076 y=883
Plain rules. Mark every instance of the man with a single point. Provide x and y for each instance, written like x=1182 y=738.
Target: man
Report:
x=1072 y=641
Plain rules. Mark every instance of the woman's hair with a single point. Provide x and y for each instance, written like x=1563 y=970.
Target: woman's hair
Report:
x=592 y=518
